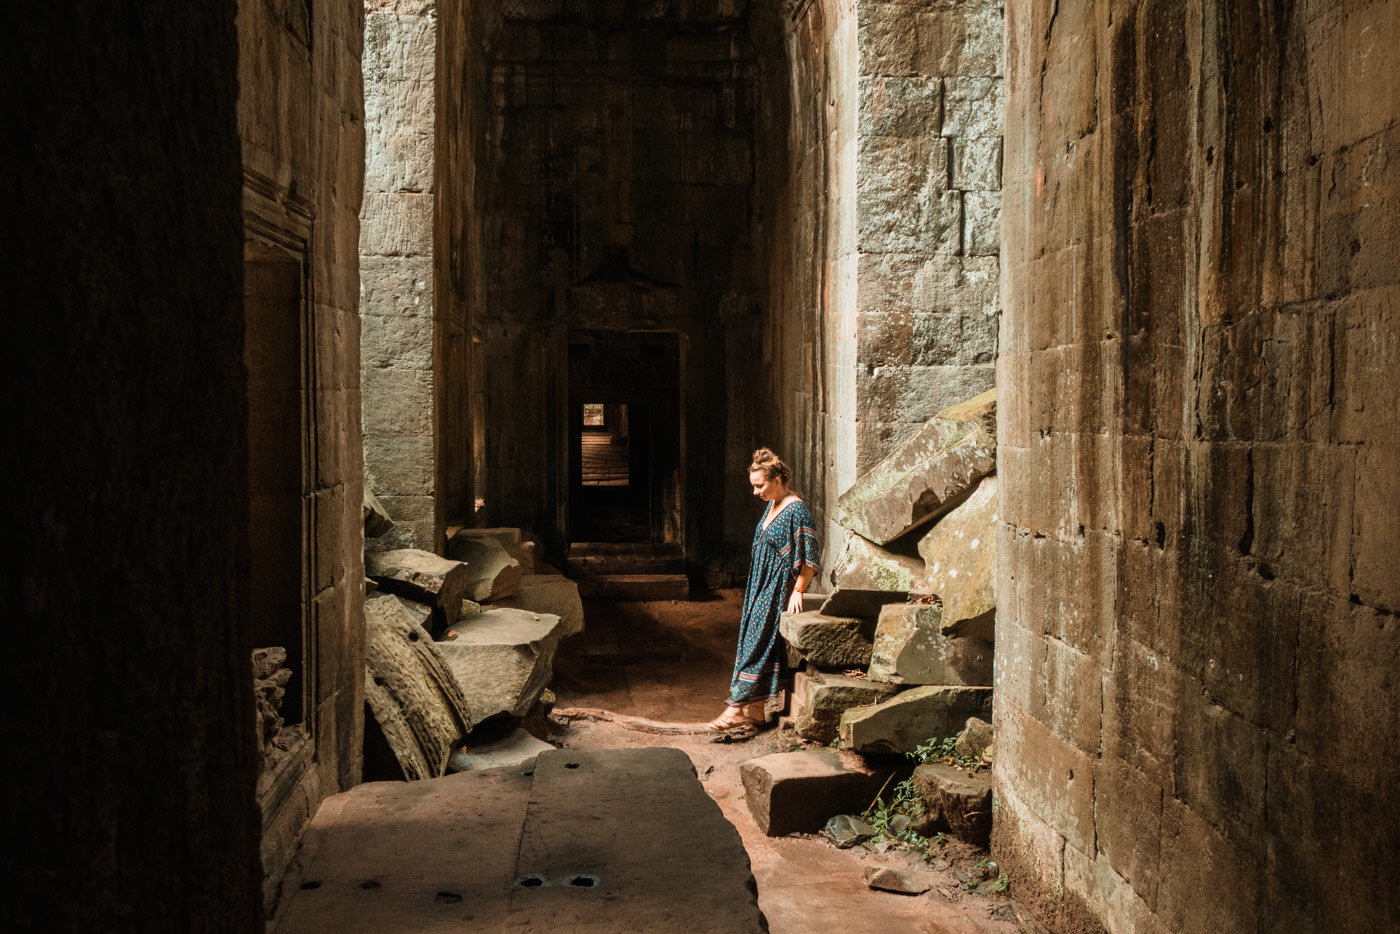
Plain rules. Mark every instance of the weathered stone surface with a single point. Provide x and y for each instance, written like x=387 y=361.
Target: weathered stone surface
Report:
x=410 y=691
x=422 y=577
x=859 y=604
x=957 y=801
x=911 y=648
x=376 y=520
x=503 y=660
x=422 y=613
x=912 y=717
x=516 y=748
x=508 y=538
x=797 y=792
x=975 y=739
x=493 y=573
x=960 y=562
x=829 y=641
x=846 y=831
x=926 y=474
x=825 y=696
x=549 y=593
x=898 y=879
x=863 y=565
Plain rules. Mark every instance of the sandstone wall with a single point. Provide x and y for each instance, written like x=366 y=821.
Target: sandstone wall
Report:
x=129 y=761
x=402 y=321
x=1200 y=465
x=301 y=121
x=922 y=253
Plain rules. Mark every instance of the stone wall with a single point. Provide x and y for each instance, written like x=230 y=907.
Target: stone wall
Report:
x=130 y=762
x=400 y=348
x=1200 y=465
x=927 y=201
x=301 y=121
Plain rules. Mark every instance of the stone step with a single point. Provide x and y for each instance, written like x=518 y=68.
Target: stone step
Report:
x=586 y=841
x=912 y=647
x=635 y=587
x=798 y=792
x=588 y=559
x=829 y=641
x=820 y=698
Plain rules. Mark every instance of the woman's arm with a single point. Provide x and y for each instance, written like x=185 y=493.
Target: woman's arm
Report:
x=804 y=578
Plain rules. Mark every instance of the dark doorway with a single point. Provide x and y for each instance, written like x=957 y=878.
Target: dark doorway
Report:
x=624 y=442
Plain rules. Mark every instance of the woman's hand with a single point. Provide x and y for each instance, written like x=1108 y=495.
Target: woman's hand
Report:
x=794 y=604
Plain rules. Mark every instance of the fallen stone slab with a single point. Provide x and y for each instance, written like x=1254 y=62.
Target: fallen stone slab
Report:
x=829 y=641
x=492 y=573
x=910 y=647
x=864 y=565
x=422 y=613
x=865 y=604
x=422 y=577
x=503 y=660
x=926 y=474
x=912 y=717
x=515 y=749
x=508 y=538
x=549 y=593
x=409 y=690
x=825 y=696
x=957 y=801
x=797 y=792
x=975 y=739
x=586 y=842
x=374 y=516
x=960 y=563
x=897 y=879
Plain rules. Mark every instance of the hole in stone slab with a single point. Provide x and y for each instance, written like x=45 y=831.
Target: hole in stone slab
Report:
x=570 y=765
x=369 y=885
x=529 y=774
x=447 y=898
x=413 y=637
x=584 y=882
x=530 y=882
x=308 y=886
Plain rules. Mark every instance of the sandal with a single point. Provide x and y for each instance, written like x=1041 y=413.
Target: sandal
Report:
x=733 y=718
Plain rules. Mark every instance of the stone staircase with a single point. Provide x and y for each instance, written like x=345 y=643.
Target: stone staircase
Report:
x=628 y=570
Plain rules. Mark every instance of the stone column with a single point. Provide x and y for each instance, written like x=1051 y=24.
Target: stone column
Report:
x=397 y=309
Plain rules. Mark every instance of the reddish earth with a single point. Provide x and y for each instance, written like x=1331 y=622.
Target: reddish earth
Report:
x=670 y=661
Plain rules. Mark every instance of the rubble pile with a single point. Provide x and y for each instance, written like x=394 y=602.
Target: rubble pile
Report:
x=900 y=652
x=476 y=632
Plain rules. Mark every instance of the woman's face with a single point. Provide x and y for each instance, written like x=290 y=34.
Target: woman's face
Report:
x=765 y=488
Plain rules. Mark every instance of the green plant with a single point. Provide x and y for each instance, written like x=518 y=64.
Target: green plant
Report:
x=904 y=801
x=1001 y=885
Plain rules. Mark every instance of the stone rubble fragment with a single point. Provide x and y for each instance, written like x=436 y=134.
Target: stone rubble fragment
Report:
x=549 y=593
x=957 y=801
x=822 y=697
x=796 y=792
x=492 y=573
x=374 y=516
x=503 y=660
x=910 y=648
x=409 y=690
x=515 y=749
x=890 y=878
x=423 y=577
x=829 y=641
x=975 y=739
x=926 y=474
x=912 y=717
x=960 y=563
x=846 y=830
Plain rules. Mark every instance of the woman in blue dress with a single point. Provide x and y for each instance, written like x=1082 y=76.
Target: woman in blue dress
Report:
x=784 y=561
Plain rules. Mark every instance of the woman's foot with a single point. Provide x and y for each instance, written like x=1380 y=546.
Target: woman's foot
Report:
x=733 y=718
x=757 y=712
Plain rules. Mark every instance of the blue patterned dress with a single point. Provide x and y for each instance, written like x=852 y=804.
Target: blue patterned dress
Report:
x=779 y=552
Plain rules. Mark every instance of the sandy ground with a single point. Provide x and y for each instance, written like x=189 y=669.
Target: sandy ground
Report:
x=671 y=662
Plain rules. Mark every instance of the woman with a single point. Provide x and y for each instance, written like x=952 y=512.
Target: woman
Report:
x=784 y=561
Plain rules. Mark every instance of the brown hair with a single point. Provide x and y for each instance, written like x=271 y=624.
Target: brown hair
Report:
x=771 y=465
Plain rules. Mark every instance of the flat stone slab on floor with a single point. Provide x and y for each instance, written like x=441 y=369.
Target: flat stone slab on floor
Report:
x=829 y=641
x=587 y=841
x=926 y=474
x=798 y=792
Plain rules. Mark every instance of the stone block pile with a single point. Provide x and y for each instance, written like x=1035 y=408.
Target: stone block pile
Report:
x=460 y=649
x=900 y=651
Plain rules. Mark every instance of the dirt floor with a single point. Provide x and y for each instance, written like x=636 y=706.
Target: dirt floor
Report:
x=671 y=661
